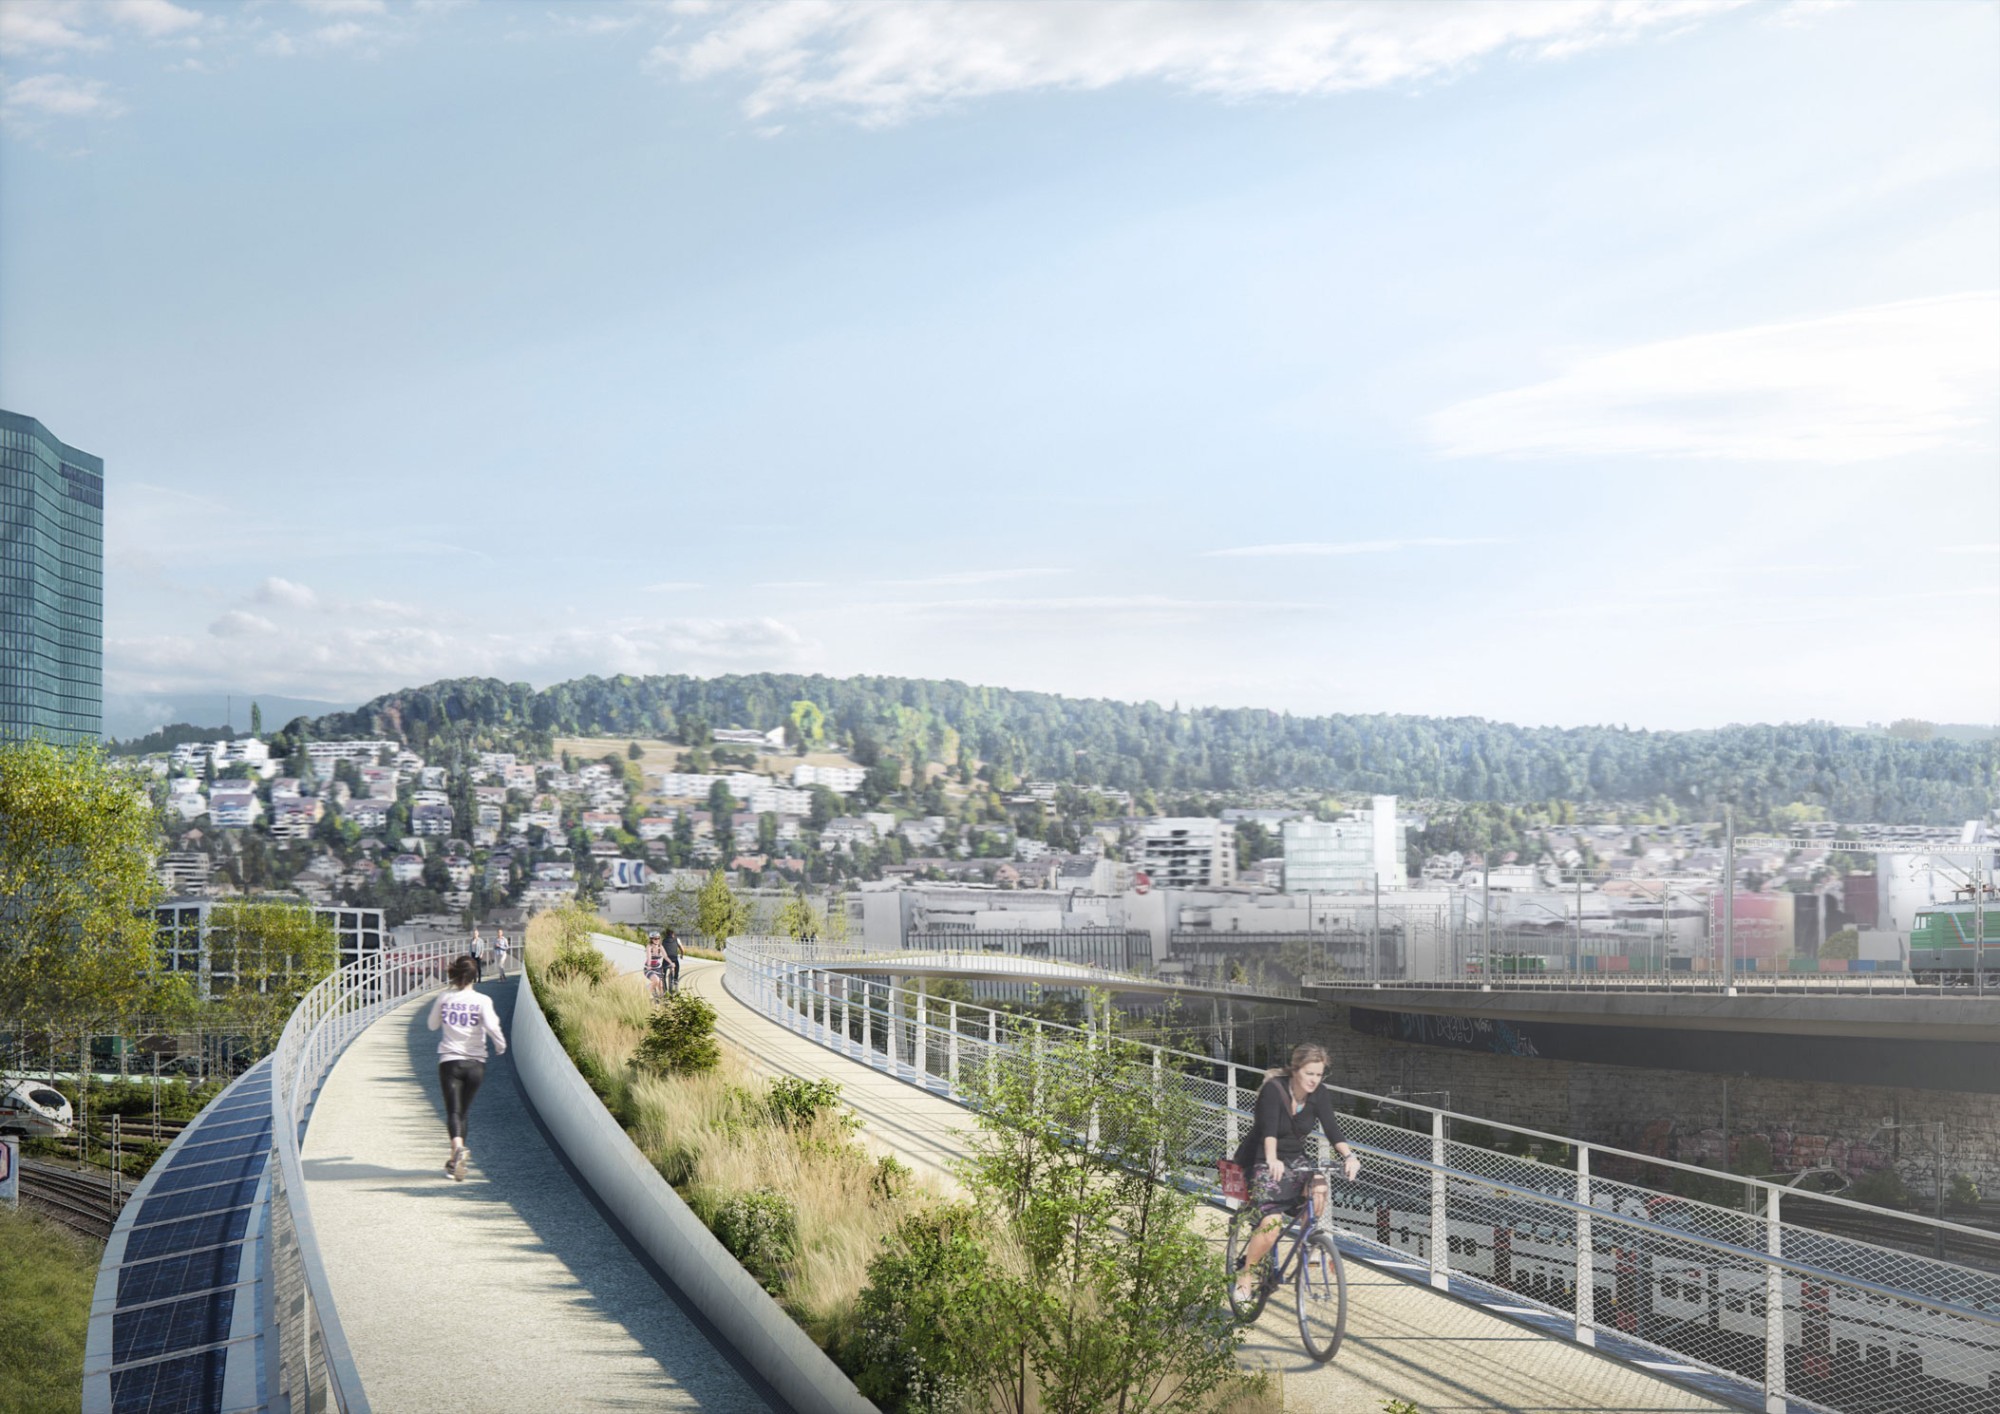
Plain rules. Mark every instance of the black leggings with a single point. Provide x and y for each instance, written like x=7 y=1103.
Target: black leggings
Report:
x=459 y=1079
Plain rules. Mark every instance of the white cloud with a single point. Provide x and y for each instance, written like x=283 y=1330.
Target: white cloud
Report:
x=157 y=19
x=28 y=26
x=885 y=61
x=58 y=96
x=347 y=7
x=240 y=623
x=1345 y=547
x=669 y=586
x=1862 y=384
x=960 y=577
x=376 y=647
x=286 y=592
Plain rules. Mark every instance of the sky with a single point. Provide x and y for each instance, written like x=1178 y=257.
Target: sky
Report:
x=1547 y=362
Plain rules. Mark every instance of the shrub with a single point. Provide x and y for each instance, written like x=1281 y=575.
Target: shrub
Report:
x=761 y=1230
x=1884 y=1188
x=576 y=955
x=890 y=1178
x=935 y=1311
x=1963 y=1193
x=680 y=1039
x=796 y=1103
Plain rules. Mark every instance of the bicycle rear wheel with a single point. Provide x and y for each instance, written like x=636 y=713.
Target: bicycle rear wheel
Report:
x=1242 y=1227
x=1322 y=1297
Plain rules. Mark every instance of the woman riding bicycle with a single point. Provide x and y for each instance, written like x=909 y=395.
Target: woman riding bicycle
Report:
x=656 y=962
x=1290 y=1106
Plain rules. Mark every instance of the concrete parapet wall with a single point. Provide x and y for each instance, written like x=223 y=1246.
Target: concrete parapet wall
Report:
x=631 y=1189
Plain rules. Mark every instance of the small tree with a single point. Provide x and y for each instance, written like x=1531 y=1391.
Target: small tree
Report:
x=265 y=957
x=1077 y=1152
x=1842 y=943
x=720 y=912
x=799 y=920
x=680 y=1037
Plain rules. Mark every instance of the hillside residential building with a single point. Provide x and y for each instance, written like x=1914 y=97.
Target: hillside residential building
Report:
x=1194 y=852
x=233 y=805
x=430 y=820
x=1354 y=855
x=845 y=779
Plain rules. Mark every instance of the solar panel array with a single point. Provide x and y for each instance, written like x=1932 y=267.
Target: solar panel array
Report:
x=175 y=1327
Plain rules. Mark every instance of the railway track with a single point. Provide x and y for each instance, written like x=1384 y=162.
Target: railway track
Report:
x=81 y=1202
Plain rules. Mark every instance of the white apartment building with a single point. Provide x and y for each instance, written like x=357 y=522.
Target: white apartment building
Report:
x=686 y=785
x=233 y=805
x=184 y=873
x=407 y=869
x=773 y=740
x=779 y=800
x=325 y=754
x=368 y=815
x=293 y=817
x=430 y=821
x=1355 y=855
x=845 y=779
x=1194 y=852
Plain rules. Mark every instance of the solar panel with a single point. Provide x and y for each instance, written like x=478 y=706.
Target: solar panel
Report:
x=172 y=1325
x=179 y=1176
x=208 y=1230
x=209 y=1150
x=179 y=1275
x=235 y=1129
x=190 y=1384
x=168 y=1207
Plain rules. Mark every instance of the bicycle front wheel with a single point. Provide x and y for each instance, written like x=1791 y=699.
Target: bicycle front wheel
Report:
x=1322 y=1297
x=1242 y=1227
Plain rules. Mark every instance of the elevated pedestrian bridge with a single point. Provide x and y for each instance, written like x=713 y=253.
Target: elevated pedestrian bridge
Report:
x=978 y=965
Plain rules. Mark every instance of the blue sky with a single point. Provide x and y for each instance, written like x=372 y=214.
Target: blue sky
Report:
x=1550 y=362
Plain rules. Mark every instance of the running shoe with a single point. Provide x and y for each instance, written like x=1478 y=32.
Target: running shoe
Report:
x=458 y=1164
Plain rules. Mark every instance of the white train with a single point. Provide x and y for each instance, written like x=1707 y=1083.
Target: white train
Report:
x=1845 y=1347
x=33 y=1110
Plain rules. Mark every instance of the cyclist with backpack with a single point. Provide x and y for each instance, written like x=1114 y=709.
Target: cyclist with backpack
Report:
x=656 y=962
x=1290 y=1105
x=671 y=945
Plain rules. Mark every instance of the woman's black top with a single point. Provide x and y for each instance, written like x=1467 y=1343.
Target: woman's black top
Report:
x=1275 y=1116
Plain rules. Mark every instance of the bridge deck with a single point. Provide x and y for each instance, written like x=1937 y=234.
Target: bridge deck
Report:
x=1403 y=1340
x=505 y=1292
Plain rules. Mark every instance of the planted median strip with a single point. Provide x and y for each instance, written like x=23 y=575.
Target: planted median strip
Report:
x=1068 y=1283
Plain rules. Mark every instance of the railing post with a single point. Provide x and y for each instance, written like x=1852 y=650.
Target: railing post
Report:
x=952 y=1059
x=1586 y=1264
x=922 y=1047
x=1774 y=1309
x=1440 y=1231
x=1035 y=1051
x=1229 y=1109
x=891 y=1006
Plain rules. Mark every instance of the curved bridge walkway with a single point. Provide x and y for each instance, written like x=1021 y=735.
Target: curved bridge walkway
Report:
x=507 y=1292
x=1404 y=1341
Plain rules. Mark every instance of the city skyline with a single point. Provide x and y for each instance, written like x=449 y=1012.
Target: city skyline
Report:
x=1551 y=364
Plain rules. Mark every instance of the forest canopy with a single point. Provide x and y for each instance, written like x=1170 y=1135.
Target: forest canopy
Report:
x=1852 y=775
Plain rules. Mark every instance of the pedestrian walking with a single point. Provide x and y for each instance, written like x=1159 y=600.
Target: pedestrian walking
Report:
x=500 y=952
x=476 y=950
x=467 y=1018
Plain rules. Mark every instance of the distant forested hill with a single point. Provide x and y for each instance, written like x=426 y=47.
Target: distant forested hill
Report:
x=1854 y=775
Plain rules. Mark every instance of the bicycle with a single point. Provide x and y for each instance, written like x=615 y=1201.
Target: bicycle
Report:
x=1312 y=1264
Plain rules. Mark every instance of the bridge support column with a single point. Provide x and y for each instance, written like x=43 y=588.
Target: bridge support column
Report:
x=1440 y=1231
x=1774 y=1309
x=1586 y=1266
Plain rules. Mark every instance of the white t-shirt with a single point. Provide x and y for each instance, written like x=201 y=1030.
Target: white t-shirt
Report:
x=467 y=1017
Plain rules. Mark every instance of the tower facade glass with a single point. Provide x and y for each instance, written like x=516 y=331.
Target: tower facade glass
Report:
x=51 y=586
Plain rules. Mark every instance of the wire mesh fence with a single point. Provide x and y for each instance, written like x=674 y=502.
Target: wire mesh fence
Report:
x=1720 y=1276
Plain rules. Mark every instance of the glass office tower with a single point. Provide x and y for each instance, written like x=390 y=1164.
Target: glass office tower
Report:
x=51 y=586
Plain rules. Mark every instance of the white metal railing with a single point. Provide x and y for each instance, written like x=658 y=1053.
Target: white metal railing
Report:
x=1002 y=966
x=314 y=1368
x=1877 y=984
x=1826 y=1320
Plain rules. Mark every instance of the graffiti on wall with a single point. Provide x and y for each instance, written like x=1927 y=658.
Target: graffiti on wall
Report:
x=1458 y=1033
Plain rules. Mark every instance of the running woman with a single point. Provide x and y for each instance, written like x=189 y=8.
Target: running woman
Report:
x=467 y=1018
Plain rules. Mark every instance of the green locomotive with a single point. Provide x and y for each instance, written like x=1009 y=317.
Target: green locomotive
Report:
x=1944 y=942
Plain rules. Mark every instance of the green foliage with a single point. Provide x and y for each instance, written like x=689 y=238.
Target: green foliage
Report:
x=76 y=871
x=798 y=919
x=1882 y=1187
x=1076 y=1155
x=272 y=954
x=680 y=1037
x=798 y=1103
x=576 y=953
x=1962 y=1192
x=1842 y=943
x=720 y=912
x=46 y=1279
x=1400 y=1406
x=761 y=1230
x=1143 y=746
x=939 y=1326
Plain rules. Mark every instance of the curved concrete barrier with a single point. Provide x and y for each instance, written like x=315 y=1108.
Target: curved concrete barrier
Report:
x=632 y=1190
